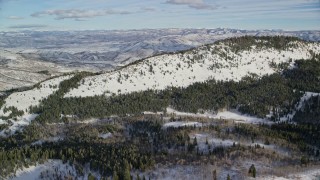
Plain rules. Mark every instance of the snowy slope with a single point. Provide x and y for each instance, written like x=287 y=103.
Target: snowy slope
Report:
x=52 y=169
x=299 y=106
x=216 y=61
x=307 y=95
x=312 y=174
x=23 y=100
x=18 y=124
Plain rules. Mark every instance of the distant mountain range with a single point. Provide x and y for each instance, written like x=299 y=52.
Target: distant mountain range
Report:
x=104 y=50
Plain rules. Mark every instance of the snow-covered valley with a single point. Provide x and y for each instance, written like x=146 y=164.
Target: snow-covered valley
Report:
x=17 y=71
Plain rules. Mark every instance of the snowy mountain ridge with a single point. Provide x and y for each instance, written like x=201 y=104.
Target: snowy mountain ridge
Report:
x=219 y=61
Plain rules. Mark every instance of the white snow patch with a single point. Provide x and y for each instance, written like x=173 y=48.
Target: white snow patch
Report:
x=33 y=172
x=50 y=168
x=241 y=118
x=212 y=141
x=105 y=136
x=232 y=115
x=50 y=139
x=299 y=106
x=18 y=124
x=305 y=97
x=185 y=172
x=3 y=122
x=179 y=113
x=89 y=121
x=306 y=175
x=181 y=124
x=152 y=113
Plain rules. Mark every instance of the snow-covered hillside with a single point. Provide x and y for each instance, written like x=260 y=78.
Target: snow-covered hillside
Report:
x=218 y=61
x=23 y=100
x=299 y=106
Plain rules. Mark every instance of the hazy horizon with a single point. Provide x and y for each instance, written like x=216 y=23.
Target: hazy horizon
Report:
x=59 y=15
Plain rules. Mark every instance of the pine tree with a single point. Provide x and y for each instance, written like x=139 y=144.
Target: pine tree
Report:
x=304 y=160
x=195 y=141
x=126 y=173
x=115 y=175
x=91 y=177
x=252 y=171
x=214 y=174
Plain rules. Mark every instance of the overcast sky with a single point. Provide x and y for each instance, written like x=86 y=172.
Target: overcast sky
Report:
x=18 y=15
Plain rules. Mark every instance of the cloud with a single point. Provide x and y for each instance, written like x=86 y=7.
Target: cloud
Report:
x=27 y=26
x=77 y=13
x=15 y=17
x=196 y=4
